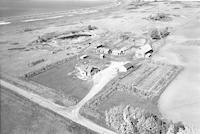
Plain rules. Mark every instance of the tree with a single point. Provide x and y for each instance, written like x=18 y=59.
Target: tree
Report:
x=134 y=120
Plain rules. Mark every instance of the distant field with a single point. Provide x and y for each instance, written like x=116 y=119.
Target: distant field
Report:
x=20 y=116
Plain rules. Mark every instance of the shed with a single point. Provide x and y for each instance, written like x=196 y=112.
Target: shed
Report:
x=116 y=52
x=99 y=46
x=84 y=56
x=128 y=66
x=144 y=51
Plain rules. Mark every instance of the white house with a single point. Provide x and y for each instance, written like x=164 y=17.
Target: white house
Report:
x=119 y=51
x=85 y=72
x=144 y=51
x=104 y=50
x=116 y=52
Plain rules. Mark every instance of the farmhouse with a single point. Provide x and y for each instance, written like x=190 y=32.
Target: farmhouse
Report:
x=119 y=51
x=86 y=71
x=144 y=51
x=104 y=50
x=116 y=52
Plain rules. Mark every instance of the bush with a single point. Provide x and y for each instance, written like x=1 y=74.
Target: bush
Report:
x=92 y=27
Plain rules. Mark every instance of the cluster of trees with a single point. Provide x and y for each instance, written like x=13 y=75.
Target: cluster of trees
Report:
x=160 y=17
x=134 y=120
x=158 y=34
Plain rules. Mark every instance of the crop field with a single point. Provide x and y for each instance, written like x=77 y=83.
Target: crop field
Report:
x=20 y=116
x=149 y=80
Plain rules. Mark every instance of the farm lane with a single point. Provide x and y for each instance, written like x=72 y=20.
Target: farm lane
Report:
x=99 y=80
x=55 y=108
x=72 y=113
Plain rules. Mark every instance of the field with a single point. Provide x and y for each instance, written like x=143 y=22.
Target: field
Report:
x=150 y=79
x=58 y=78
x=126 y=99
x=20 y=116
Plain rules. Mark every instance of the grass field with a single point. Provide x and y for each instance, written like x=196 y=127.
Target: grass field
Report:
x=58 y=78
x=126 y=99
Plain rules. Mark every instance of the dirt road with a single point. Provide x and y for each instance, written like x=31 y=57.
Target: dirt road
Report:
x=56 y=108
x=100 y=80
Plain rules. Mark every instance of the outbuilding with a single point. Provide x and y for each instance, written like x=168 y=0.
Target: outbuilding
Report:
x=104 y=50
x=116 y=52
x=84 y=56
x=128 y=66
x=144 y=51
x=102 y=56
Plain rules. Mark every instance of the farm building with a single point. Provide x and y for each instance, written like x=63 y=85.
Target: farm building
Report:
x=116 y=52
x=84 y=56
x=86 y=71
x=128 y=66
x=119 y=51
x=104 y=50
x=144 y=51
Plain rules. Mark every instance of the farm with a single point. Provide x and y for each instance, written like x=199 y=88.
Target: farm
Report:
x=139 y=87
x=128 y=69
